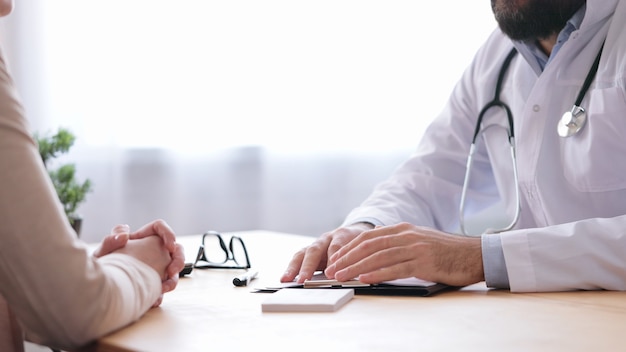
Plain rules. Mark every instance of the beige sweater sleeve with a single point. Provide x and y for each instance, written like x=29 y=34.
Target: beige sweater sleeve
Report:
x=60 y=295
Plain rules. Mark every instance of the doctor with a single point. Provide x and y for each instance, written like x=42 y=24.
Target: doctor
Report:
x=550 y=145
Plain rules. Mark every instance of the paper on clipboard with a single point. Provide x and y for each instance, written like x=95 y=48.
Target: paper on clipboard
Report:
x=408 y=282
x=321 y=283
x=400 y=287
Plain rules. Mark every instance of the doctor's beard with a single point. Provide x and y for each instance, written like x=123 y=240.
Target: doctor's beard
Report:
x=533 y=19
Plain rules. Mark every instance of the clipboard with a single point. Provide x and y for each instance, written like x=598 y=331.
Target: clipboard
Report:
x=400 y=287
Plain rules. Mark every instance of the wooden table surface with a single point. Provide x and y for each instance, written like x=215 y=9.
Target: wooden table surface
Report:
x=208 y=313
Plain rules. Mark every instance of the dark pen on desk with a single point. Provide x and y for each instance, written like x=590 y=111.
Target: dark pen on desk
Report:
x=244 y=279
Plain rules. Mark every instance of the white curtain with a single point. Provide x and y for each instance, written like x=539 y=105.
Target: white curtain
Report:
x=235 y=115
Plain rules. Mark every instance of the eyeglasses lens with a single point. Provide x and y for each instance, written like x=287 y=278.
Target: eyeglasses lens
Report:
x=239 y=251
x=215 y=249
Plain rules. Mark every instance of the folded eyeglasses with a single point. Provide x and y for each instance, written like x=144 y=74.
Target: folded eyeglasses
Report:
x=214 y=254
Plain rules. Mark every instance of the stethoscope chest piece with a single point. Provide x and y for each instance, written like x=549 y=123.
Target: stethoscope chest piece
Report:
x=572 y=122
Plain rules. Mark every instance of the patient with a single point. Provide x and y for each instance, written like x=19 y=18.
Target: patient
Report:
x=53 y=291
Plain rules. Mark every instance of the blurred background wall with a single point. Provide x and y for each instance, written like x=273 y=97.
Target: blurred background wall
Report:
x=237 y=115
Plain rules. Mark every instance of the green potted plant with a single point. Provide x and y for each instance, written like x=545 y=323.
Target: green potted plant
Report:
x=71 y=192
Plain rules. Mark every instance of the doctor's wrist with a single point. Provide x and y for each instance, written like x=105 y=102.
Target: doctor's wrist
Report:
x=362 y=225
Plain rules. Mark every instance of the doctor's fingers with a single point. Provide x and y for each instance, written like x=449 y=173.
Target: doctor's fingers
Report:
x=306 y=261
x=340 y=238
x=374 y=249
x=293 y=267
x=397 y=271
x=315 y=258
x=357 y=240
x=159 y=228
x=382 y=265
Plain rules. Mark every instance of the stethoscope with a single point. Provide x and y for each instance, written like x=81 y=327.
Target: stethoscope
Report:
x=570 y=123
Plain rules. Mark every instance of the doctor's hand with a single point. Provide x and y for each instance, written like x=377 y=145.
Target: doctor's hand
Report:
x=315 y=256
x=405 y=250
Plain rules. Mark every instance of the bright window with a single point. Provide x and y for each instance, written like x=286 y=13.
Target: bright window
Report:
x=291 y=75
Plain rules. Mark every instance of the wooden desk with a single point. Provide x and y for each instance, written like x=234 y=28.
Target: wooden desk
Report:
x=207 y=313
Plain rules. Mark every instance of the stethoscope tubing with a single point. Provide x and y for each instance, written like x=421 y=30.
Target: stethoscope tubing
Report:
x=466 y=180
x=572 y=128
x=496 y=102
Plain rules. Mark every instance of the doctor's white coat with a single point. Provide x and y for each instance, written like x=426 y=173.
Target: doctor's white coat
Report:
x=572 y=230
